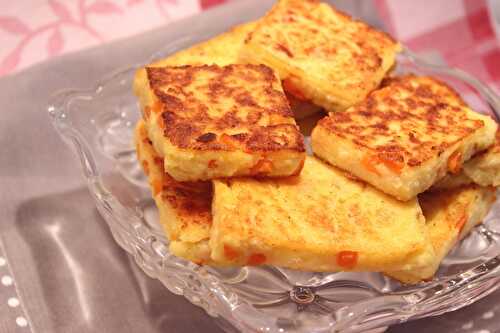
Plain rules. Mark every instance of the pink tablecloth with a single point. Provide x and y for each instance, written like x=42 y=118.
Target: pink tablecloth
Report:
x=458 y=32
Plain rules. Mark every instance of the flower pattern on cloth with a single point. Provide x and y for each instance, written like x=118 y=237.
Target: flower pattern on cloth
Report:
x=33 y=31
x=459 y=33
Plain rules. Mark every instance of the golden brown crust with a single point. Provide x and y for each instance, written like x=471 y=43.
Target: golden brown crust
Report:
x=407 y=122
x=304 y=39
x=450 y=215
x=319 y=220
x=222 y=50
x=224 y=108
x=448 y=211
x=191 y=201
x=298 y=30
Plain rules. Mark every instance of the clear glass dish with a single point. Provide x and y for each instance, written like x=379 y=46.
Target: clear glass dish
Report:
x=98 y=125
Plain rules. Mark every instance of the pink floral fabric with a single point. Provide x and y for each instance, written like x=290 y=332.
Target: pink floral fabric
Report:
x=460 y=32
x=33 y=31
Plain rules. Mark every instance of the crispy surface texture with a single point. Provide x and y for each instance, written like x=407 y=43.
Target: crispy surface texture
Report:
x=184 y=208
x=322 y=54
x=405 y=136
x=221 y=50
x=302 y=232
x=450 y=216
x=210 y=122
x=320 y=220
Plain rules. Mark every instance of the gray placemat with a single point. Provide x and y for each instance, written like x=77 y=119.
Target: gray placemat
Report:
x=67 y=273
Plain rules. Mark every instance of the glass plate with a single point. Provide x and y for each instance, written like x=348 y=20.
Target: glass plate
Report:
x=98 y=125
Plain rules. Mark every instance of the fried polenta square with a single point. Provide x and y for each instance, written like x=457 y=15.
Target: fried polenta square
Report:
x=320 y=53
x=450 y=216
x=221 y=50
x=320 y=220
x=210 y=122
x=184 y=207
x=405 y=136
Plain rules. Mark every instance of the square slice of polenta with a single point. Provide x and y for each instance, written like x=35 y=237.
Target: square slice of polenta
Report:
x=210 y=122
x=405 y=136
x=221 y=50
x=450 y=216
x=320 y=220
x=184 y=207
x=322 y=54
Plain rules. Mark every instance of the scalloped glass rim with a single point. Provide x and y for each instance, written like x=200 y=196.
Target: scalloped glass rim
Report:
x=214 y=290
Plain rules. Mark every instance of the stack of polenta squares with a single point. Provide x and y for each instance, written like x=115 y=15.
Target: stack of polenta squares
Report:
x=227 y=166
x=415 y=137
